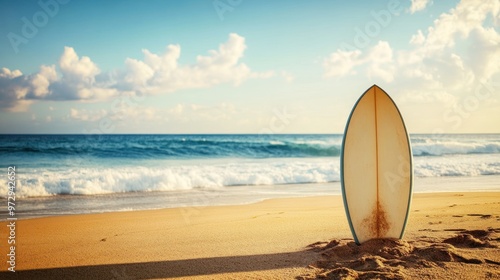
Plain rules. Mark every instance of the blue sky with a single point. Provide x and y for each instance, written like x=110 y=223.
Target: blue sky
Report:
x=240 y=66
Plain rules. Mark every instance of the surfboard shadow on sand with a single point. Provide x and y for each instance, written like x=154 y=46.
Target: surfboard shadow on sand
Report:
x=171 y=268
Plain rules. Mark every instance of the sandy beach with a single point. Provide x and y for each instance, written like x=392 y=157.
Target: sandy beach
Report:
x=448 y=236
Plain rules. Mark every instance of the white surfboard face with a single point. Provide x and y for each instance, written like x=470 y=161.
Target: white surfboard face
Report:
x=376 y=165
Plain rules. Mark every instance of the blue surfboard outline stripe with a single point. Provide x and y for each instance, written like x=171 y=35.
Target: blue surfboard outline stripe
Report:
x=346 y=206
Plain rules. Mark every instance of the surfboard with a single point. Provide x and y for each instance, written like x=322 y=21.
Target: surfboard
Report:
x=376 y=168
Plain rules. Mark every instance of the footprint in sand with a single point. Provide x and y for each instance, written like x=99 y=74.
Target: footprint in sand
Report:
x=483 y=216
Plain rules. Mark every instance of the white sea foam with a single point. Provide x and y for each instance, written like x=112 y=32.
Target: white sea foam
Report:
x=221 y=173
x=442 y=147
x=87 y=181
x=457 y=165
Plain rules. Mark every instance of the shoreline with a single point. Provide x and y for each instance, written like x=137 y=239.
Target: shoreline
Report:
x=267 y=239
x=48 y=206
x=231 y=205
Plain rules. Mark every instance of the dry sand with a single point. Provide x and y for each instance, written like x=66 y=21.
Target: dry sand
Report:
x=449 y=235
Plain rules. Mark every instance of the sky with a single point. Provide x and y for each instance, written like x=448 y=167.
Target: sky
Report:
x=241 y=66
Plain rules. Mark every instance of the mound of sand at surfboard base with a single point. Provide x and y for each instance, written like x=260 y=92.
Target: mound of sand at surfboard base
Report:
x=413 y=259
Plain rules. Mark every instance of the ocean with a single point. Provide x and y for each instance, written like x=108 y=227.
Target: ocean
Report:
x=70 y=174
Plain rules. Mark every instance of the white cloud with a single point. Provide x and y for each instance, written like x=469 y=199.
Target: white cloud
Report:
x=187 y=112
x=6 y=73
x=446 y=61
x=123 y=115
x=457 y=24
x=77 y=70
x=177 y=109
x=218 y=112
x=14 y=87
x=86 y=115
x=137 y=74
x=418 y=96
x=417 y=39
x=161 y=73
x=137 y=113
x=41 y=81
x=341 y=63
x=484 y=52
x=79 y=78
x=76 y=81
x=287 y=76
x=379 y=61
x=418 y=5
x=457 y=52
